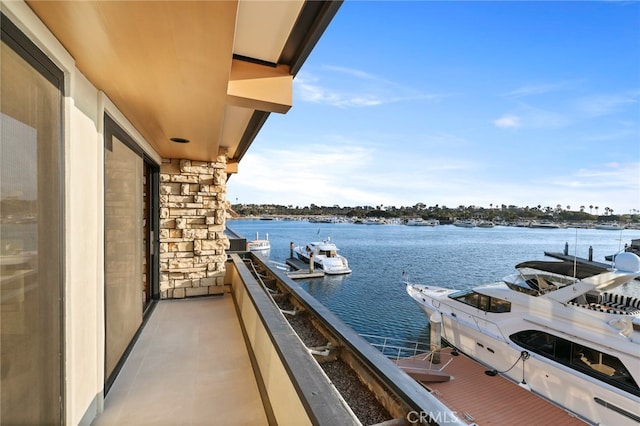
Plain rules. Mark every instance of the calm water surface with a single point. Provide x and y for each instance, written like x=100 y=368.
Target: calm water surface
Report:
x=372 y=299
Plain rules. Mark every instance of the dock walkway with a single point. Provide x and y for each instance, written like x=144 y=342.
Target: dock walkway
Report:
x=570 y=258
x=301 y=270
x=494 y=400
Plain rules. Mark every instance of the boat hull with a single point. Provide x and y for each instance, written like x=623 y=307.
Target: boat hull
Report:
x=335 y=266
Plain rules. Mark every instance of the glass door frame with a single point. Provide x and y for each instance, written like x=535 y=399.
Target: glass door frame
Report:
x=20 y=43
x=152 y=247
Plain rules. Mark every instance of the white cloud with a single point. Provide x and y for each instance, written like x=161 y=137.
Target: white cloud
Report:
x=537 y=89
x=354 y=88
x=353 y=72
x=310 y=92
x=601 y=105
x=507 y=122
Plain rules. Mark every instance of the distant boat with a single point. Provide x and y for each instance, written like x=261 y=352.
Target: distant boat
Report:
x=485 y=224
x=323 y=219
x=374 y=221
x=544 y=224
x=325 y=257
x=422 y=222
x=610 y=226
x=465 y=223
x=260 y=245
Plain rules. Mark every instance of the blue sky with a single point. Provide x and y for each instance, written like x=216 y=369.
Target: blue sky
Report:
x=459 y=103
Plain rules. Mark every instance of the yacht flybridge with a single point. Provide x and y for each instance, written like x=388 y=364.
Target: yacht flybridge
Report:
x=567 y=331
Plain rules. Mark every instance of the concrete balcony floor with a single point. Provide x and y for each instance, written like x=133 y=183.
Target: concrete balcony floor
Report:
x=190 y=366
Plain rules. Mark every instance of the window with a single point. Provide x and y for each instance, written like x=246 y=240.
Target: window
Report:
x=481 y=301
x=599 y=365
x=30 y=233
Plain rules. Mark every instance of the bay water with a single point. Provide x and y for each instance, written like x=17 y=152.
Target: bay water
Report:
x=372 y=298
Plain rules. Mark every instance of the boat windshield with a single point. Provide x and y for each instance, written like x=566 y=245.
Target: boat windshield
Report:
x=482 y=301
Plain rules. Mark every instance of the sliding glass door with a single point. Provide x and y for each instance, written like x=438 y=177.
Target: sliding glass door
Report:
x=31 y=246
x=130 y=234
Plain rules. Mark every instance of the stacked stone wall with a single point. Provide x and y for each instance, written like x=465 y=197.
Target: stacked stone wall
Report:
x=192 y=222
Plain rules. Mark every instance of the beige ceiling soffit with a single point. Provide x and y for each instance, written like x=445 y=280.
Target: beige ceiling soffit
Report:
x=260 y=87
x=232 y=167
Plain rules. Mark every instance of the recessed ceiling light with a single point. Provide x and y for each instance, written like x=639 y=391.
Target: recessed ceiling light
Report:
x=179 y=140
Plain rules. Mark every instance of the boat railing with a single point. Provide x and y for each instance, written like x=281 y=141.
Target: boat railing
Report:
x=399 y=349
x=488 y=327
x=395 y=348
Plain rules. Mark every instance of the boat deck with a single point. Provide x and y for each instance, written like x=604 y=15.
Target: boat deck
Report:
x=486 y=400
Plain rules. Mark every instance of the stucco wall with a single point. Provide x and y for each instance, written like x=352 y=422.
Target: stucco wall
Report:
x=192 y=221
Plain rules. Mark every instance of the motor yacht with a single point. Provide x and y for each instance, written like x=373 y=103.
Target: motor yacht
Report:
x=567 y=331
x=325 y=256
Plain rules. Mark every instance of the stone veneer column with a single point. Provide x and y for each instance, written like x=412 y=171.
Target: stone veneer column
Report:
x=192 y=222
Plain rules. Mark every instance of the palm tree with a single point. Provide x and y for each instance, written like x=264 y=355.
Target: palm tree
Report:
x=590 y=208
x=581 y=209
x=596 y=207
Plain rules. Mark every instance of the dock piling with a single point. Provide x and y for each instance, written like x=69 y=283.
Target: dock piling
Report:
x=435 y=338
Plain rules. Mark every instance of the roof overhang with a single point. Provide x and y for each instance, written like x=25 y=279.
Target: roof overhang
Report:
x=209 y=72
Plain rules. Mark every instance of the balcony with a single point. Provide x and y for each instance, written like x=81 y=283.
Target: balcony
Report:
x=236 y=359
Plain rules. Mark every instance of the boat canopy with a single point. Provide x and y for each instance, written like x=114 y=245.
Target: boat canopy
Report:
x=567 y=268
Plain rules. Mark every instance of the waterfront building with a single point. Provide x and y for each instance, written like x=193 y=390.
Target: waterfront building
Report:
x=121 y=123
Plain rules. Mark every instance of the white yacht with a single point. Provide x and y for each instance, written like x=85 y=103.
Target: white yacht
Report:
x=485 y=224
x=465 y=223
x=609 y=226
x=563 y=330
x=325 y=256
x=260 y=245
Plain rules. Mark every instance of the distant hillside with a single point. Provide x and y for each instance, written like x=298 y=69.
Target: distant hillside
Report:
x=232 y=214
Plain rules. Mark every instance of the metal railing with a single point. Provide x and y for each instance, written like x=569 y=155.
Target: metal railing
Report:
x=395 y=348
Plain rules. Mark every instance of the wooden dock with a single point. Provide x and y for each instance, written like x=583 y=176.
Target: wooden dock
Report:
x=485 y=400
x=300 y=270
